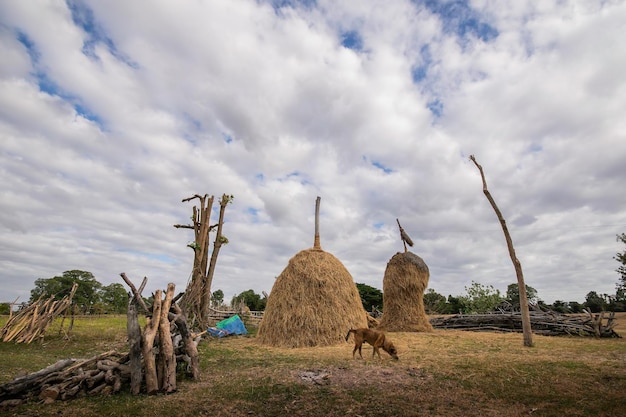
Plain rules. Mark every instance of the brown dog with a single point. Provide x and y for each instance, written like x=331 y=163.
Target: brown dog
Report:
x=373 y=337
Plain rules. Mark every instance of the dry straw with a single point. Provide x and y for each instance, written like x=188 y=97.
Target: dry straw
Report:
x=313 y=302
x=406 y=279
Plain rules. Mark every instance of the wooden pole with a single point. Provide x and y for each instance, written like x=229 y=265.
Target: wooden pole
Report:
x=523 y=300
x=149 y=333
x=316 y=241
x=166 y=357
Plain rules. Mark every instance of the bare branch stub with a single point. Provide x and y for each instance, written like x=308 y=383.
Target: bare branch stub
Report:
x=136 y=293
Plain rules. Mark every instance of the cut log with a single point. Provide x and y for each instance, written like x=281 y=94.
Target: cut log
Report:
x=149 y=334
x=189 y=346
x=134 y=342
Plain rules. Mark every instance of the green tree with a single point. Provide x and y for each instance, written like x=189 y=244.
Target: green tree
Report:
x=5 y=308
x=512 y=295
x=481 y=298
x=217 y=298
x=370 y=297
x=251 y=299
x=560 y=306
x=455 y=305
x=114 y=298
x=620 y=257
x=575 y=307
x=594 y=302
x=434 y=302
x=86 y=295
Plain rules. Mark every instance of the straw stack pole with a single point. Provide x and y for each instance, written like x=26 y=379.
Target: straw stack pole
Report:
x=313 y=302
x=316 y=241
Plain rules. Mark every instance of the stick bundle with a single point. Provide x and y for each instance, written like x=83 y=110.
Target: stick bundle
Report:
x=31 y=322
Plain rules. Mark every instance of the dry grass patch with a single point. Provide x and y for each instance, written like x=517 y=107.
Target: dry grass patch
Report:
x=443 y=373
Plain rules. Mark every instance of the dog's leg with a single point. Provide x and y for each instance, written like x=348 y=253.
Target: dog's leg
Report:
x=380 y=341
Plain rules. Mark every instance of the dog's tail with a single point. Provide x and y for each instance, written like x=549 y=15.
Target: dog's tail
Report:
x=348 y=334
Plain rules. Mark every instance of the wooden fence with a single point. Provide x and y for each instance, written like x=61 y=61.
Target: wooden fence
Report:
x=252 y=318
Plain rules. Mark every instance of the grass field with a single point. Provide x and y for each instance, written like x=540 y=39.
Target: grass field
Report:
x=444 y=373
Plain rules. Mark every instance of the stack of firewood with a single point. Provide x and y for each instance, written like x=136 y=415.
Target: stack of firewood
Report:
x=542 y=323
x=31 y=322
x=69 y=378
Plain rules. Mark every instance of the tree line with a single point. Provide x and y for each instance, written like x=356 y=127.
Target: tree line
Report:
x=92 y=297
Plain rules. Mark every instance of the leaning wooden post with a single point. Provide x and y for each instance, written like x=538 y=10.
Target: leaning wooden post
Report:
x=523 y=300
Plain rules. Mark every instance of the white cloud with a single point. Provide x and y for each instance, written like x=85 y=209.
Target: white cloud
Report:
x=110 y=117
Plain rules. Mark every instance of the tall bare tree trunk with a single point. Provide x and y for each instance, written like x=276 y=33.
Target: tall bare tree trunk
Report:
x=526 y=328
x=217 y=244
x=197 y=298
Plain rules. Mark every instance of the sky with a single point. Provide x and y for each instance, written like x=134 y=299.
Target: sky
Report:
x=112 y=113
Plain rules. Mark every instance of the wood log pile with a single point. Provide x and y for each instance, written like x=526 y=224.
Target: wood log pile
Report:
x=31 y=322
x=67 y=379
x=155 y=355
x=543 y=323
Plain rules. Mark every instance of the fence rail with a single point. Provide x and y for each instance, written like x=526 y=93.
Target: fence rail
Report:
x=247 y=316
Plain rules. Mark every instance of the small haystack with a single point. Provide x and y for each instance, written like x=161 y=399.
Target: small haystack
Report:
x=313 y=302
x=405 y=281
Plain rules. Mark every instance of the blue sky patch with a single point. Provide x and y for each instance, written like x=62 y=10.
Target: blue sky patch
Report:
x=352 y=40
x=299 y=176
x=28 y=43
x=279 y=4
x=87 y=114
x=383 y=168
x=49 y=86
x=458 y=17
x=435 y=107
x=83 y=17
x=420 y=72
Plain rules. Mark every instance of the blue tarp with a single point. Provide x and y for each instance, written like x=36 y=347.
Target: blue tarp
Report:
x=232 y=325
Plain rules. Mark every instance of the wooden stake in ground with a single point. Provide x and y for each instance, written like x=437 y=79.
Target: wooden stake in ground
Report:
x=526 y=326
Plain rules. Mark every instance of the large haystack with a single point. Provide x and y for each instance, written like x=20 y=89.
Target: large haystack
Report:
x=314 y=302
x=405 y=281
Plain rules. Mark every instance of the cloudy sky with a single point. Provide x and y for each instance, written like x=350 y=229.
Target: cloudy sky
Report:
x=113 y=112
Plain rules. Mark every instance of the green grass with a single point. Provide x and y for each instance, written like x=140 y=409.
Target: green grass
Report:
x=444 y=373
